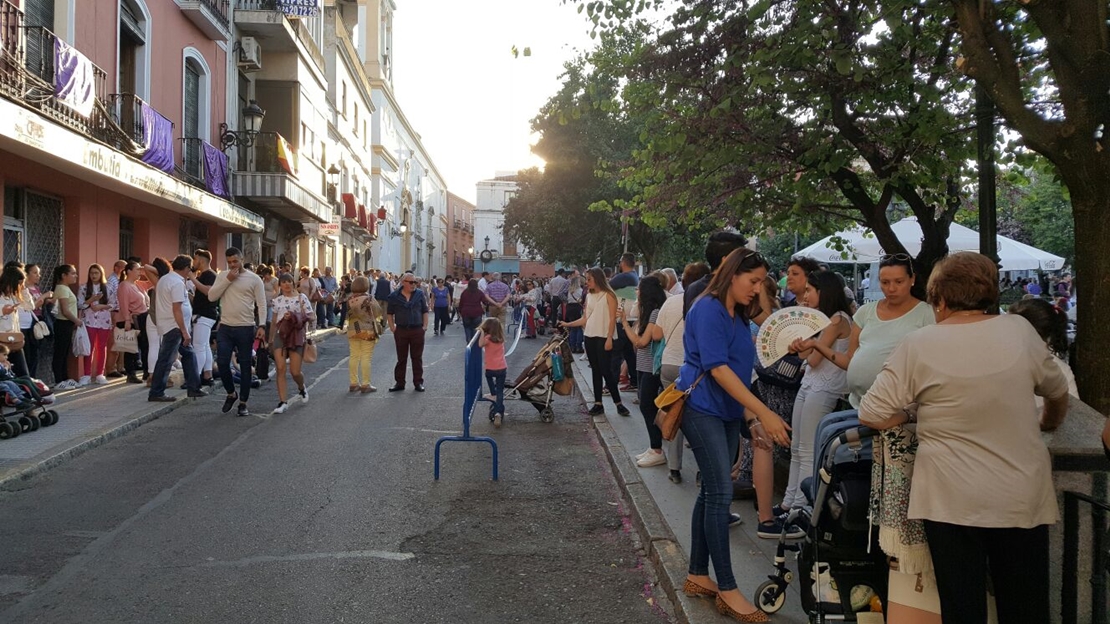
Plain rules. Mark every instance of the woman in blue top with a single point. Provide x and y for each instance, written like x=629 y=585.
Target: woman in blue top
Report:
x=441 y=295
x=719 y=358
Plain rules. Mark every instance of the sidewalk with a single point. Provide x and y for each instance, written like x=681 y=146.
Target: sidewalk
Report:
x=662 y=510
x=89 y=416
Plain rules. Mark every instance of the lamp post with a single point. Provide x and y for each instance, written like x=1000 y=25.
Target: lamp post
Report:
x=333 y=185
x=252 y=121
x=486 y=255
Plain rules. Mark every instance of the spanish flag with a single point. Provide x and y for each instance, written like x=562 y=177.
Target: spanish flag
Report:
x=286 y=156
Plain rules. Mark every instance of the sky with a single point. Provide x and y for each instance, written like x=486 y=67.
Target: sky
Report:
x=463 y=92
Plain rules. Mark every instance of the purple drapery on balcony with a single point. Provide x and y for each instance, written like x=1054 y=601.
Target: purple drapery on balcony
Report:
x=74 y=85
x=215 y=171
x=158 y=135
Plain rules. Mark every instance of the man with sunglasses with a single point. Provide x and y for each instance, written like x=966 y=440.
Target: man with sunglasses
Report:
x=407 y=312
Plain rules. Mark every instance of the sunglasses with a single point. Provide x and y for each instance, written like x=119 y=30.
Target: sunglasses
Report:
x=898 y=257
x=410 y=281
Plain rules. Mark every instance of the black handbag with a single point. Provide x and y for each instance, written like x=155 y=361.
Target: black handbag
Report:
x=785 y=373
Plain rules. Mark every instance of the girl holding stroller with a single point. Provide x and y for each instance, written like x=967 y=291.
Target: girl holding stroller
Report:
x=493 y=350
x=824 y=383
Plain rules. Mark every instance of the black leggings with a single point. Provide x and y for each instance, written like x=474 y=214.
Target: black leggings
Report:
x=63 y=345
x=602 y=369
x=1016 y=559
x=649 y=387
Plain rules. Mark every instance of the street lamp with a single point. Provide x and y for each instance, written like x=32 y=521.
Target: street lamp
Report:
x=252 y=121
x=487 y=242
x=333 y=181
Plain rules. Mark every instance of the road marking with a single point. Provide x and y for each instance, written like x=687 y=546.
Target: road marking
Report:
x=349 y=554
x=453 y=432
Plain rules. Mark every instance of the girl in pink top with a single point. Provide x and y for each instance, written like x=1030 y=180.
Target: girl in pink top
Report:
x=492 y=342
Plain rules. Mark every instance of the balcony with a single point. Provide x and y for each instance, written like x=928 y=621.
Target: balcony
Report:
x=192 y=170
x=210 y=16
x=267 y=21
x=269 y=180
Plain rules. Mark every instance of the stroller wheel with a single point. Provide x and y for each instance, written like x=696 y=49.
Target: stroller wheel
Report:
x=769 y=597
x=547 y=415
x=53 y=417
x=36 y=424
x=27 y=423
x=6 y=430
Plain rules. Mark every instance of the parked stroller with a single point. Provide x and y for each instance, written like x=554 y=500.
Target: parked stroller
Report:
x=31 y=415
x=548 y=374
x=840 y=563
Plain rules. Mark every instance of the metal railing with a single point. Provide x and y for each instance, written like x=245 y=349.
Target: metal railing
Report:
x=221 y=8
x=262 y=155
x=191 y=169
x=38 y=71
x=257 y=5
x=1069 y=593
x=11 y=48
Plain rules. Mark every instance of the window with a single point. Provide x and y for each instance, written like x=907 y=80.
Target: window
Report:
x=133 y=69
x=126 y=237
x=356 y=118
x=195 y=109
x=343 y=101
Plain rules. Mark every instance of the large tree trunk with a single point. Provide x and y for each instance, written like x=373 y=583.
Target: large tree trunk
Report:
x=1090 y=198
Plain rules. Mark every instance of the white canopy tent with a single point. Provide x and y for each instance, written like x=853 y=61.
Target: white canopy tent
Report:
x=861 y=247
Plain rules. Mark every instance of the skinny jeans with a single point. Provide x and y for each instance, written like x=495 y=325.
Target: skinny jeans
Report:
x=714 y=442
x=601 y=368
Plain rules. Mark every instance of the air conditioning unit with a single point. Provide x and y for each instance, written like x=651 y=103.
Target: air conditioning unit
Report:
x=250 y=54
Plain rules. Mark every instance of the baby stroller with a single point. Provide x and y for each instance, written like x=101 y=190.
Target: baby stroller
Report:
x=548 y=374
x=32 y=414
x=840 y=563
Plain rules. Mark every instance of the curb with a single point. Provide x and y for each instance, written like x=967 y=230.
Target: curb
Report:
x=660 y=542
x=106 y=434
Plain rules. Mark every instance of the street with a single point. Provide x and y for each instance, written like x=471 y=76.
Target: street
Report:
x=329 y=513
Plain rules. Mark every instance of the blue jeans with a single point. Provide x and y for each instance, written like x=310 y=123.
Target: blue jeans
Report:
x=170 y=346
x=241 y=340
x=714 y=442
x=496 y=381
x=470 y=326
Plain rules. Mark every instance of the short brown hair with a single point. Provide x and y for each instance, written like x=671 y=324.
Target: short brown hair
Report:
x=360 y=285
x=966 y=280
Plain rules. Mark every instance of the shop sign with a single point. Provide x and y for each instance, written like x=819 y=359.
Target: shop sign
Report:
x=29 y=129
x=330 y=229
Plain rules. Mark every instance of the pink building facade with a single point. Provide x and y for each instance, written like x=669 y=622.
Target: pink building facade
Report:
x=110 y=142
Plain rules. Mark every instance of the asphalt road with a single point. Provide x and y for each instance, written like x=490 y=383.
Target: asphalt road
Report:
x=329 y=513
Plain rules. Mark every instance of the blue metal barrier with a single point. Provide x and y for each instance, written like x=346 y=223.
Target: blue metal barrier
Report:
x=472 y=385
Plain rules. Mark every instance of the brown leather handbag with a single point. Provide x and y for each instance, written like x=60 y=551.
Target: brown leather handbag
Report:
x=671 y=402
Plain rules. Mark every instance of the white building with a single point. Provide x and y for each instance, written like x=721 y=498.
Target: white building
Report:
x=489 y=224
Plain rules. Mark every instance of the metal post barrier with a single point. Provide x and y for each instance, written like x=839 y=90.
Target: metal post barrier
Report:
x=472 y=387
x=1070 y=585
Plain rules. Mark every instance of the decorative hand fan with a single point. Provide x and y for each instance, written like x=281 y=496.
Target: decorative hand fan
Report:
x=782 y=328
x=628 y=293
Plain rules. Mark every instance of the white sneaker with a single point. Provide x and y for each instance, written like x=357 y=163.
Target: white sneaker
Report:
x=84 y=381
x=101 y=379
x=652 y=459
x=280 y=409
x=304 y=395
x=644 y=454
x=64 y=385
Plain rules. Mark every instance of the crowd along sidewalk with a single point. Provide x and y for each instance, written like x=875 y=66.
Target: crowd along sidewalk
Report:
x=662 y=512
x=88 y=417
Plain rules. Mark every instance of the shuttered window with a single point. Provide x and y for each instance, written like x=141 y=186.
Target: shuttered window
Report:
x=191 y=122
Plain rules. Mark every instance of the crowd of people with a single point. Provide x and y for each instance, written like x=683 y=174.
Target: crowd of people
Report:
x=949 y=506
x=961 y=485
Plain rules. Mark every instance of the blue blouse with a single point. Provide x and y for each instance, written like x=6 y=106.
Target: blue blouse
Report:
x=712 y=337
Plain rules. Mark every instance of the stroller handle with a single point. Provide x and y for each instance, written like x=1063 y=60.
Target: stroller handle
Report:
x=851 y=437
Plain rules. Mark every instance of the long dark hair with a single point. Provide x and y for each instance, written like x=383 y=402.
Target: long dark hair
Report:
x=740 y=261
x=830 y=288
x=60 y=271
x=472 y=285
x=1050 y=322
x=103 y=284
x=10 y=279
x=651 y=297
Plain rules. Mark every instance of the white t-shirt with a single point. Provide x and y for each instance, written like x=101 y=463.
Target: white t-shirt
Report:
x=482 y=283
x=171 y=290
x=670 y=321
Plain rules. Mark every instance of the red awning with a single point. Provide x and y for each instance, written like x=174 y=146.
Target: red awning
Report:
x=373 y=229
x=361 y=216
x=382 y=214
x=349 y=209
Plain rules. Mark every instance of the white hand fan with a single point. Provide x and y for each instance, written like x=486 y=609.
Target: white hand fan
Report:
x=783 y=327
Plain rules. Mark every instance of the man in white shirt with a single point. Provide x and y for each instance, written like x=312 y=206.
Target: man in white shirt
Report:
x=242 y=297
x=482 y=283
x=174 y=312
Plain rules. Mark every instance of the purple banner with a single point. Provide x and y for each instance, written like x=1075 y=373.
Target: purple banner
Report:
x=215 y=171
x=299 y=8
x=158 y=139
x=74 y=84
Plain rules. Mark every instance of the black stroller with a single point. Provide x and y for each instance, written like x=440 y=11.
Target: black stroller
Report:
x=31 y=415
x=839 y=562
x=549 y=373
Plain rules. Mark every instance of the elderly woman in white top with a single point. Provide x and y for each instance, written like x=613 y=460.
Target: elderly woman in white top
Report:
x=982 y=480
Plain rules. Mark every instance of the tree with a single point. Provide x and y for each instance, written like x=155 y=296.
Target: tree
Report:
x=802 y=116
x=1045 y=65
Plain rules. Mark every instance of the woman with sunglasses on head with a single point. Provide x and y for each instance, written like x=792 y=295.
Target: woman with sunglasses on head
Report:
x=879 y=328
x=719 y=361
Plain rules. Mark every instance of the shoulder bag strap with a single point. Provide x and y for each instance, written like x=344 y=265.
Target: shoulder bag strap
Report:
x=693 y=385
